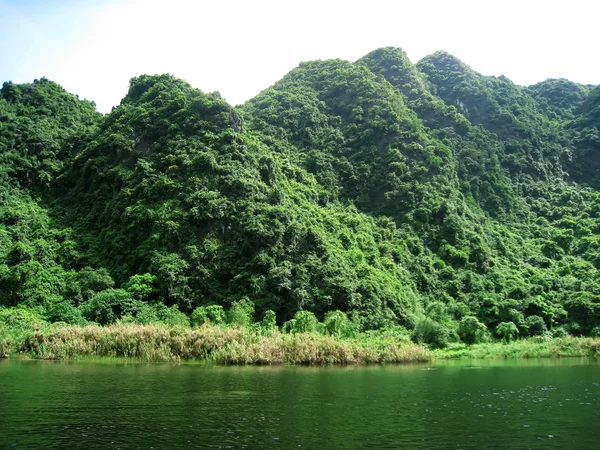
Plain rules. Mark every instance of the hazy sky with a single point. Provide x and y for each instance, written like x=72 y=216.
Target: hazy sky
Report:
x=239 y=47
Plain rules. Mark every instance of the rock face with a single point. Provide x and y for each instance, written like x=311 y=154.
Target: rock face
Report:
x=236 y=121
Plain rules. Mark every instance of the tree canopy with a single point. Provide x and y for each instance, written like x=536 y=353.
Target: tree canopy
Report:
x=372 y=194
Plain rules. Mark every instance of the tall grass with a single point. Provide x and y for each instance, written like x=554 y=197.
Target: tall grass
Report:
x=223 y=345
x=249 y=345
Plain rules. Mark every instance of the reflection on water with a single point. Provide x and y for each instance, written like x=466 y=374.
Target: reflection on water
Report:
x=448 y=404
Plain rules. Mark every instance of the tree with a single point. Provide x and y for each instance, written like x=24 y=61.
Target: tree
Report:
x=471 y=330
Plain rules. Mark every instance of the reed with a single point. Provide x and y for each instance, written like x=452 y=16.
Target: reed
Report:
x=223 y=345
x=248 y=345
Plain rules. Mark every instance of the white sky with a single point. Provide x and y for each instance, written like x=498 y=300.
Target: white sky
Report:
x=93 y=48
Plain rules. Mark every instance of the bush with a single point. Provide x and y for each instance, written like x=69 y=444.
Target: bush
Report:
x=559 y=332
x=20 y=317
x=177 y=318
x=303 y=322
x=269 y=321
x=5 y=346
x=518 y=319
x=507 y=331
x=172 y=316
x=215 y=314
x=535 y=325
x=338 y=324
x=109 y=305
x=471 y=330
x=241 y=312
x=141 y=286
x=146 y=314
x=573 y=328
x=67 y=313
x=83 y=285
x=199 y=316
x=432 y=333
x=397 y=332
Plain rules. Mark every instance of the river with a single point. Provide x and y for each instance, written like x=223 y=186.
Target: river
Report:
x=542 y=404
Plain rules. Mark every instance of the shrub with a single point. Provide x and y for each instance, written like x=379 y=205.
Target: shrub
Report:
x=396 y=332
x=141 y=286
x=146 y=314
x=432 y=333
x=269 y=321
x=559 y=332
x=507 y=331
x=5 y=346
x=437 y=311
x=303 y=322
x=215 y=314
x=107 y=306
x=573 y=328
x=338 y=324
x=172 y=316
x=177 y=318
x=518 y=319
x=20 y=317
x=535 y=325
x=241 y=312
x=67 y=313
x=82 y=285
x=471 y=330
x=199 y=316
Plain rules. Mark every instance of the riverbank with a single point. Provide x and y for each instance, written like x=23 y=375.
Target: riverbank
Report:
x=245 y=345
x=221 y=345
x=524 y=348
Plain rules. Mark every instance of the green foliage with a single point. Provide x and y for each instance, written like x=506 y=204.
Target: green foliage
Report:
x=107 y=306
x=141 y=286
x=436 y=335
x=241 y=312
x=559 y=332
x=215 y=314
x=535 y=325
x=303 y=322
x=337 y=324
x=84 y=284
x=427 y=199
x=507 y=331
x=146 y=314
x=172 y=316
x=199 y=316
x=471 y=330
x=559 y=96
x=20 y=318
x=41 y=127
x=67 y=313
x=269 y=320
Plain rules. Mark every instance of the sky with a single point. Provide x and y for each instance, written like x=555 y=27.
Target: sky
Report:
x=240 y=47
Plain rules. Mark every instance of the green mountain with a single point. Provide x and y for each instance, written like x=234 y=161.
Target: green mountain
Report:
x=426 y=196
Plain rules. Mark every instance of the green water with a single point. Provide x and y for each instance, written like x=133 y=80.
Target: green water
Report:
x=483 y=404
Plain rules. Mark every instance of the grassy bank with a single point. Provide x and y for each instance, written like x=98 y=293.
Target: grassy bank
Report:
x=246 y=345
x=222 y=345
x=525 y=348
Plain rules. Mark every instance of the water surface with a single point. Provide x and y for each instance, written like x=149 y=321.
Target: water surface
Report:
x=483 y=404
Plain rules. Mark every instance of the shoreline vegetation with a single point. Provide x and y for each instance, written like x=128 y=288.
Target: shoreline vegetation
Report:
x=210 y=343
x=244 y=345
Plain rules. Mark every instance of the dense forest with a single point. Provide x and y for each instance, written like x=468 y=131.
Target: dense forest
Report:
x=423 y=198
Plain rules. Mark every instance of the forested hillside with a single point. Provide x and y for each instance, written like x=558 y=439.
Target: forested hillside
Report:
x=422 y=198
